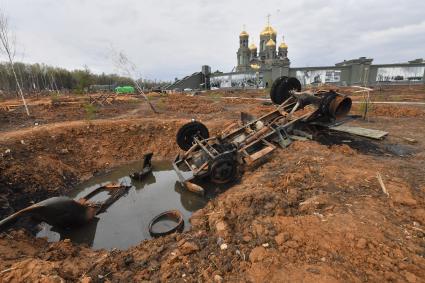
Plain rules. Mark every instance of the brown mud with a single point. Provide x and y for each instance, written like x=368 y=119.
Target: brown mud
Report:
x=313 y=213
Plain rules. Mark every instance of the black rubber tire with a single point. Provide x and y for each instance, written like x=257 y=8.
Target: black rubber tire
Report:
x=171 y=213
x=190 y=130
x=274 y=88
x=284 y=85
x=294 y=84
x=223 y=169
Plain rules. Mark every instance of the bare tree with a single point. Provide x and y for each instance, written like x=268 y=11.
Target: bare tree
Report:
x=7 y=46
x=129 y=70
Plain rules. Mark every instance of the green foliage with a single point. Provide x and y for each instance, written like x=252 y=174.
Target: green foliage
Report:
x=54 y=98
x=160 y=104
x=134 y=101
x=397 y=98
x=364 y=106
x=216 y=96
x=78 y=92
x=90 y=111
x=83 y=79
x=40 y=78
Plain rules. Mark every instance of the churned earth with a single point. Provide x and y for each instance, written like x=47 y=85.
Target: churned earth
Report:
x=315 y=212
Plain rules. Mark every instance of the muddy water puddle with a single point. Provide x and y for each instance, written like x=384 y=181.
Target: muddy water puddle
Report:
x=125 y=223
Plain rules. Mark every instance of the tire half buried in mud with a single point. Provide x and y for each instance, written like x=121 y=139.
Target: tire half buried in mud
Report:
x=173 y=215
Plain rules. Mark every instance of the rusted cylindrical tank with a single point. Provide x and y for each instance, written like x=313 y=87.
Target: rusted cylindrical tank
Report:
x=340 y=106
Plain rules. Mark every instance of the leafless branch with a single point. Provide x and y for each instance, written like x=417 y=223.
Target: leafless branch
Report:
x=381 y=182
x=129 y=69
x=7 y=47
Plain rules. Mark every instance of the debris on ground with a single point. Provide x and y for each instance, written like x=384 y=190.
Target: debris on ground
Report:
x=146 y=167
x=318 y=206
x=65 y=212
x=223 y=157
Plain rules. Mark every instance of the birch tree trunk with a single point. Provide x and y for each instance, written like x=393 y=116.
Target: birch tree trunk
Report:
x=8 y=47
x=19 y=87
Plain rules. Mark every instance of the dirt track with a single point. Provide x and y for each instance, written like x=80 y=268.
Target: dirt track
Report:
x=313 y=213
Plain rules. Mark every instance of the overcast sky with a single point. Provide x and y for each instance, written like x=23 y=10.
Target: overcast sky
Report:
x=169 y=38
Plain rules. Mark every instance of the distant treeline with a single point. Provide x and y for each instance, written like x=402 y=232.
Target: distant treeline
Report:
x=37 y=78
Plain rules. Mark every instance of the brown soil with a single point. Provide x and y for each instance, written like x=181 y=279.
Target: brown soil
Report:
x=394 y=111
x=397 y=112
x=413 y=93
x=313 y=213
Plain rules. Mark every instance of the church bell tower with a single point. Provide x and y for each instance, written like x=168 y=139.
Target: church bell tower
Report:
x=243 y=52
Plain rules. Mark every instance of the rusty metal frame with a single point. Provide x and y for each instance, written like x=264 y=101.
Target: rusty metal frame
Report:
x=115 y=191
x=256 y=140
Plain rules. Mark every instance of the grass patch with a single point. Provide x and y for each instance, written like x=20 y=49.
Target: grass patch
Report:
x=160 y=104
x=366 y=106
x=55 y=98
x=134 y=101
x=215 y=96
x=90 y=110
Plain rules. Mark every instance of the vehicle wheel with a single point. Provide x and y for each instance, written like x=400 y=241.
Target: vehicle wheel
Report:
x=223 y=169
x=282 y=89
x=190 y=130
x=294 y=84
x=174 y=216
x=274 y=88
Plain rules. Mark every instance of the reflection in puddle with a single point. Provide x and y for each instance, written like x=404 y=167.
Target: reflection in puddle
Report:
x=125 y=223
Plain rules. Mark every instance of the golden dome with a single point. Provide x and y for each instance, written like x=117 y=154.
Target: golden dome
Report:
x=269 y=31
x=252 y=47
x=283 y=45
x=271 y=43
x=243 y=33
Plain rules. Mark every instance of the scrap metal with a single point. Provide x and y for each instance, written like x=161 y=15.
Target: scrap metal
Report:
x=173 y=215
x=222 y=157
x=63 y=211
x=146 y=167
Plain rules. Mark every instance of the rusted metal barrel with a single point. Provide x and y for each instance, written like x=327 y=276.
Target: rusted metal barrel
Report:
x=330 y=104
x=340 y=106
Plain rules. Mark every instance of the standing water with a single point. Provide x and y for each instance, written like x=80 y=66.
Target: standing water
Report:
x=125 y=222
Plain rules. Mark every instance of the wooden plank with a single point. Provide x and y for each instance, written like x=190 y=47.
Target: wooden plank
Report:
x=359 y=131
x=259 y=154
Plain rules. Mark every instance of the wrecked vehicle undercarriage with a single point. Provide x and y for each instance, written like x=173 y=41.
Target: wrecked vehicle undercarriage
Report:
x=221 y=158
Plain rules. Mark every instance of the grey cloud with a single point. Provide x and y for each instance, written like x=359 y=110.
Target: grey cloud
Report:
x=174 y=38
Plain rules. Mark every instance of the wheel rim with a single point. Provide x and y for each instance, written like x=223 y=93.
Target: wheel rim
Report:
x=190 y=133
x=281 y=90
x=223 y=171
x=185 y=135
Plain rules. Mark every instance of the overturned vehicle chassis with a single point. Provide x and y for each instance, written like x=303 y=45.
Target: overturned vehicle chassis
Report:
x=222 y=157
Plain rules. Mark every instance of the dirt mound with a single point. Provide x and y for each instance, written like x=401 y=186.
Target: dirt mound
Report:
x=190 y=104
x=392 y=111
x=64 y=108
x=397 y=111
x=238 y=93
x=388 y=93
